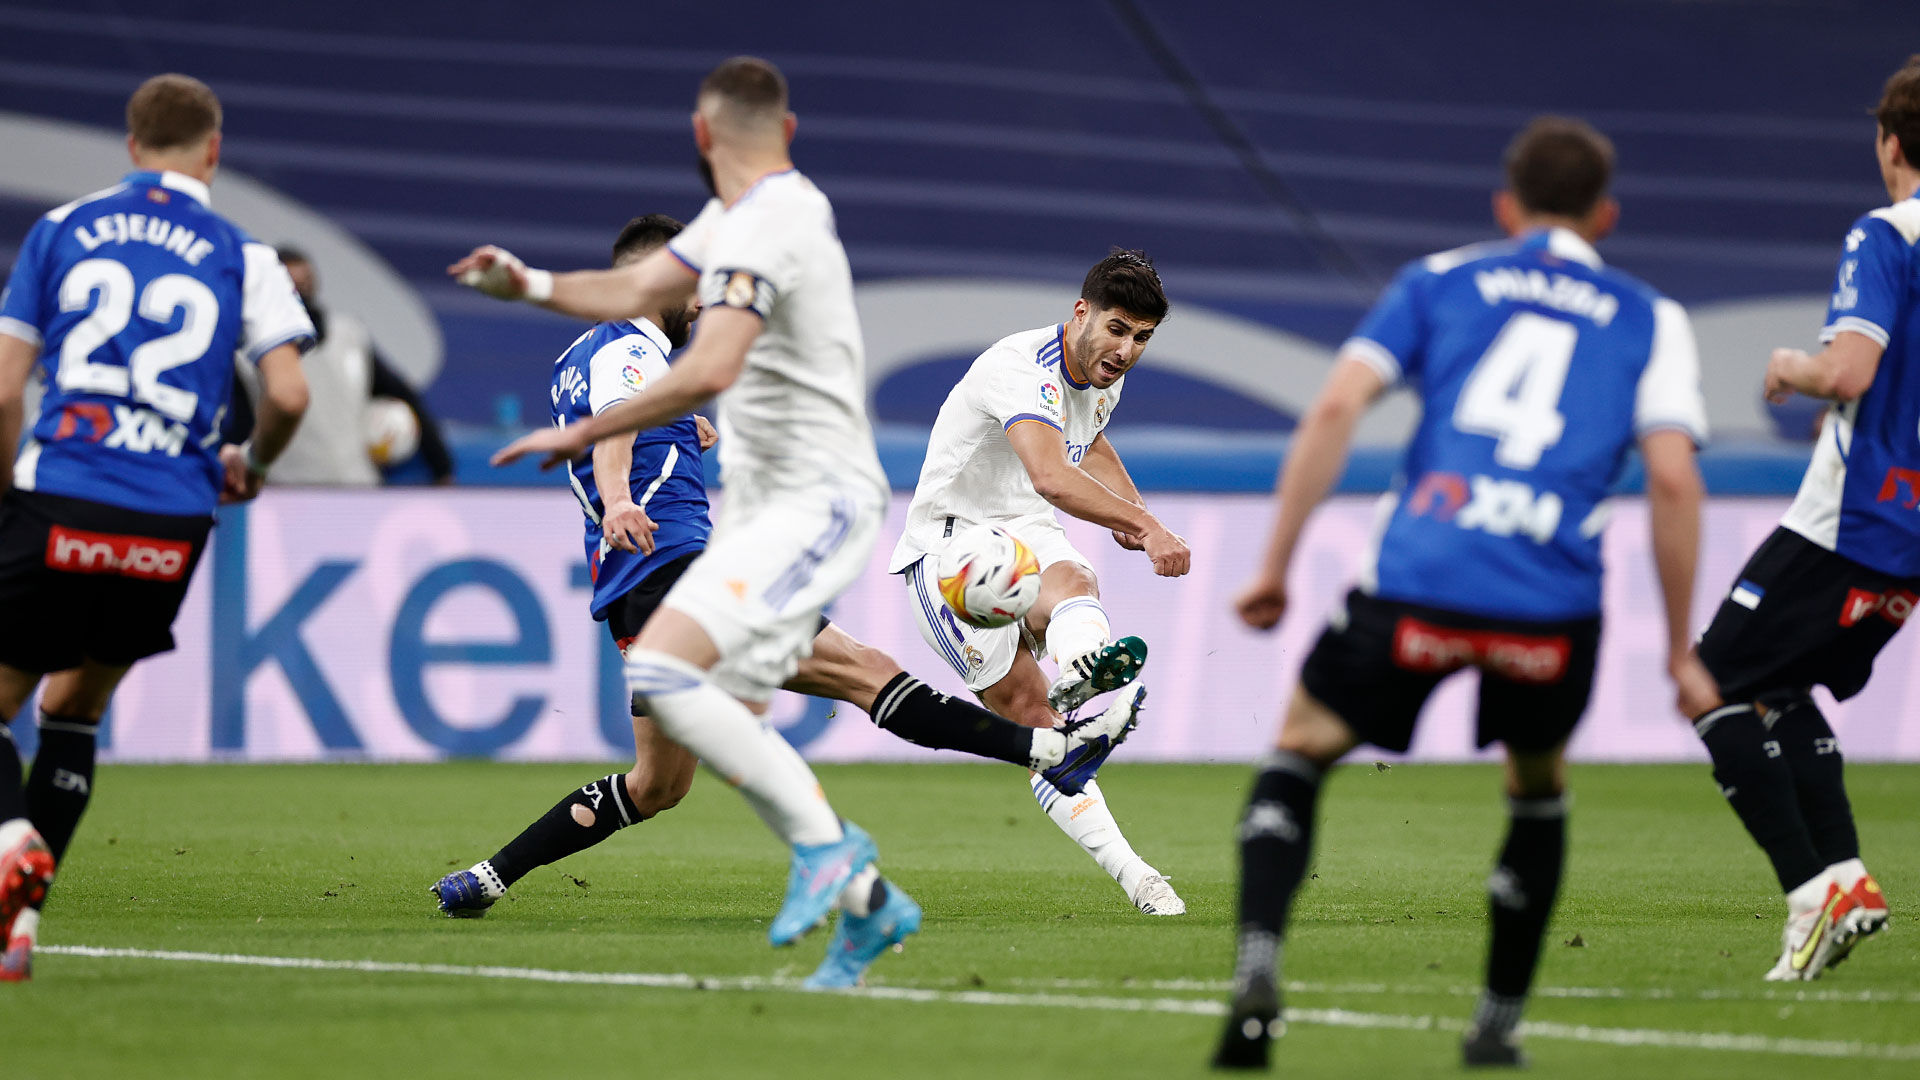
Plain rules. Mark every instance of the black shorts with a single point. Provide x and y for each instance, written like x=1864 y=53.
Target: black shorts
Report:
x=82 y=580
x=627 y=615
x=1377 y=666
x=1799 y=615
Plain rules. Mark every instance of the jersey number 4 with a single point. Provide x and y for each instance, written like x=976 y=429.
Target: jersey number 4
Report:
x=1513 y=394
x=162 y=299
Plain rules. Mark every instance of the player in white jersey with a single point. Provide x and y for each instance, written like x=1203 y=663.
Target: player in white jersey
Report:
x=1020 y=436
x=779 y=343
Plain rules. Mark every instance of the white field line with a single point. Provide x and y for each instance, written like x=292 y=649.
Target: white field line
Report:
x=1608 y=993
x=1693 y=1040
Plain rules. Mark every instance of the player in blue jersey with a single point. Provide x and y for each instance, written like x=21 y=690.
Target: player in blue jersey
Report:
x=1539 y=368
x=641 y=535
x=1839 y=577
x=134 y=301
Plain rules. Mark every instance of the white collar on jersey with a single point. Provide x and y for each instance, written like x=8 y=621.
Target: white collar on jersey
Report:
x=181 y=182
x=1567 y=244
x=653 y=334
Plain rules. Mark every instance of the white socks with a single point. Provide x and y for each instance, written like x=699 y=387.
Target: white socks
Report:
x=490 y=884
x=1076 y=626
x=735 y=744
x=1086 y=819
x=1809 y=894
x=1049 y=749
x=1847 y=874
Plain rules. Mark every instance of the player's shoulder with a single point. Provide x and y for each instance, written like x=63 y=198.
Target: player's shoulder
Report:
x=1902 y=219
x=59 y=214
x=1029 y=348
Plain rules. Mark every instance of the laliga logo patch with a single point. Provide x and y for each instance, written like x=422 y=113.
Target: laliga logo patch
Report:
x=1049 y=396
x=632 y=377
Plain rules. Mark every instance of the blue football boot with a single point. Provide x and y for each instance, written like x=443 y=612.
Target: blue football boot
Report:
x=1090 y=742
x=460 y=895
x=818 y=875
x=858 y=941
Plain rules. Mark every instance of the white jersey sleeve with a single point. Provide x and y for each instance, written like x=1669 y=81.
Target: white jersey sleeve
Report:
x=1013 y=389
x=620 y=369
x=271 y=313
x=753 y=256
x=1669 y=391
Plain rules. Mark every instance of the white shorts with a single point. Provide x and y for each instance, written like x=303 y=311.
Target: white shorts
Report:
x=982 y=657
x=773 y=563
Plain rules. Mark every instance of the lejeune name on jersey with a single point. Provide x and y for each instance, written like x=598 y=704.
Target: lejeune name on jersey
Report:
x=124 y=228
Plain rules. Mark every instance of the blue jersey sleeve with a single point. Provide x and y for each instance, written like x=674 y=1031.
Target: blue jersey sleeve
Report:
x=1391 y=339
x=1871 y=281
x=23 y=311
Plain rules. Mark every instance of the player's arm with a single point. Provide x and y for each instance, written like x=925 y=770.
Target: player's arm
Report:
x=1103 y=462
x=1043 y=450
x=712 y=363
x=655 y=283
x=1314 y=462
x=624 y=524
x=1840 y=372
x=283 y=401
x=1674 y=494
x=16 y=365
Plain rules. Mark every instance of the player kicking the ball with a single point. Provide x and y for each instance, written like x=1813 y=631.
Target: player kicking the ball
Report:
x=780 y=345
x=1538 y=367
x=1020 y=436
x=642 y=535
x=1837 y=579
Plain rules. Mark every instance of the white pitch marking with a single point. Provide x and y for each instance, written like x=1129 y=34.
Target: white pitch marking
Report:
x=1691 y=1040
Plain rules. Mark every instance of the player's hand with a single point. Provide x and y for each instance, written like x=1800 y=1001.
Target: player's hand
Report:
x=628 y=528
x=240 y=483
x=500 y=274
x=1262 y=602
x=1130 y=541
x=708 y=433
x=558 y=446
x=1696 y=691
x=1167 y=552
x=1784 y=360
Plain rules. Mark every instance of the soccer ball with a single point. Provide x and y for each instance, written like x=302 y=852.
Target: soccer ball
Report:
x=988 y=577
x=392 y=431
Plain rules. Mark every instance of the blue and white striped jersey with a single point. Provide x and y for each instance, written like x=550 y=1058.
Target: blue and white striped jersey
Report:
x=603 y=367
x=139 y=297
x=1861 y=495
x=1538 y=367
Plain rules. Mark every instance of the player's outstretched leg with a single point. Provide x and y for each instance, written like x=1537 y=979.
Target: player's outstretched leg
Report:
x=1080 y=642
x=1812 y=754
x=828 y=860
x=1276 y=842
x=1759 y=786
x=57 y=791
x=872 y=920
x=661 y=775
x=1521 y=894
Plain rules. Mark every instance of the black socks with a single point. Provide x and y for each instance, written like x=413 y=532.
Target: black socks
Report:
x=926 y=717
x=1521 y=892
x=62 y=778
x=1758 y=782
x=1812 y=754
x=585 y=817
x=13 y=800
x=1276 y=842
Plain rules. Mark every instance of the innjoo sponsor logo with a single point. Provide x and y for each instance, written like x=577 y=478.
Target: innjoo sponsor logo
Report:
x=80 y=552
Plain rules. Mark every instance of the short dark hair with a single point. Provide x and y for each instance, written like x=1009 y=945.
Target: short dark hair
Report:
x=748 y=87
x=641 y=235
x=1126 y=280
x=1559 y=165
x=1899 y=109
x=290 y=254
x=171 y=111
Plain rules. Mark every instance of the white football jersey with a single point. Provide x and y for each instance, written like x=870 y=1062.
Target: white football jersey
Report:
x=972 y=474
x=798 y=412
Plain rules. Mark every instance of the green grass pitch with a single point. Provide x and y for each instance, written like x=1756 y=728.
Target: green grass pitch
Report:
x=1031 y=962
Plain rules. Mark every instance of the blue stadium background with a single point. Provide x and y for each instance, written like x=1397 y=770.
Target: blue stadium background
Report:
x=1015 y=141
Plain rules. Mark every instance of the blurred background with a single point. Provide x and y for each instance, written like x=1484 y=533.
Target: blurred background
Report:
x=1279 y=162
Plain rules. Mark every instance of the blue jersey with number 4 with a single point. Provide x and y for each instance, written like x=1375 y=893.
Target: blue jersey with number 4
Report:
x=1537 y=367
x=139 y=298
x=1861 y=495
